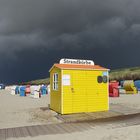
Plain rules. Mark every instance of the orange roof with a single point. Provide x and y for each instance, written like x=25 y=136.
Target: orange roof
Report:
x=75 y=66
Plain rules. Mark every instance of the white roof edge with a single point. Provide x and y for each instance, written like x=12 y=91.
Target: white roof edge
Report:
x=77 y=69
x=83 y=69
x=51 y=68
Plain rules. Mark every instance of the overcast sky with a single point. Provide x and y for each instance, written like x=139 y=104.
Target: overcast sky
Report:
x=35 y=34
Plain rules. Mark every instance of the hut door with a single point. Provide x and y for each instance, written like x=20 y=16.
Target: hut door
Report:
x=78 y=91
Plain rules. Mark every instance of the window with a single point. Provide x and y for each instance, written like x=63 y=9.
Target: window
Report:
x=100 y=79
x=104 y=79
x=55 y=81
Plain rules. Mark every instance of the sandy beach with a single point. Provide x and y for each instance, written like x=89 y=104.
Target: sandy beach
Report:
x=16 y=111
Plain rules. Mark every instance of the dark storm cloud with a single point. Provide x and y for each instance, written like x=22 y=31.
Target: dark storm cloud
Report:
x=33 y=31
x=75 y=23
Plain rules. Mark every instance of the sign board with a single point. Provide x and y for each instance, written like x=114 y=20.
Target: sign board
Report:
x=76 y=61
x=66 y=80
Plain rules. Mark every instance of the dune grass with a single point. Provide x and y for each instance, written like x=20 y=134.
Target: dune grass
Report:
x=38 y=82
x=132 y=73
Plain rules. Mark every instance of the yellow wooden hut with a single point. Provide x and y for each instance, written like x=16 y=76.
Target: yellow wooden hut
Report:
x=78 y=86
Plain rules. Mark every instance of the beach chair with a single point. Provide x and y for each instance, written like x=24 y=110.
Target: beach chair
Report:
x=130 y=87
x=113 y=89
